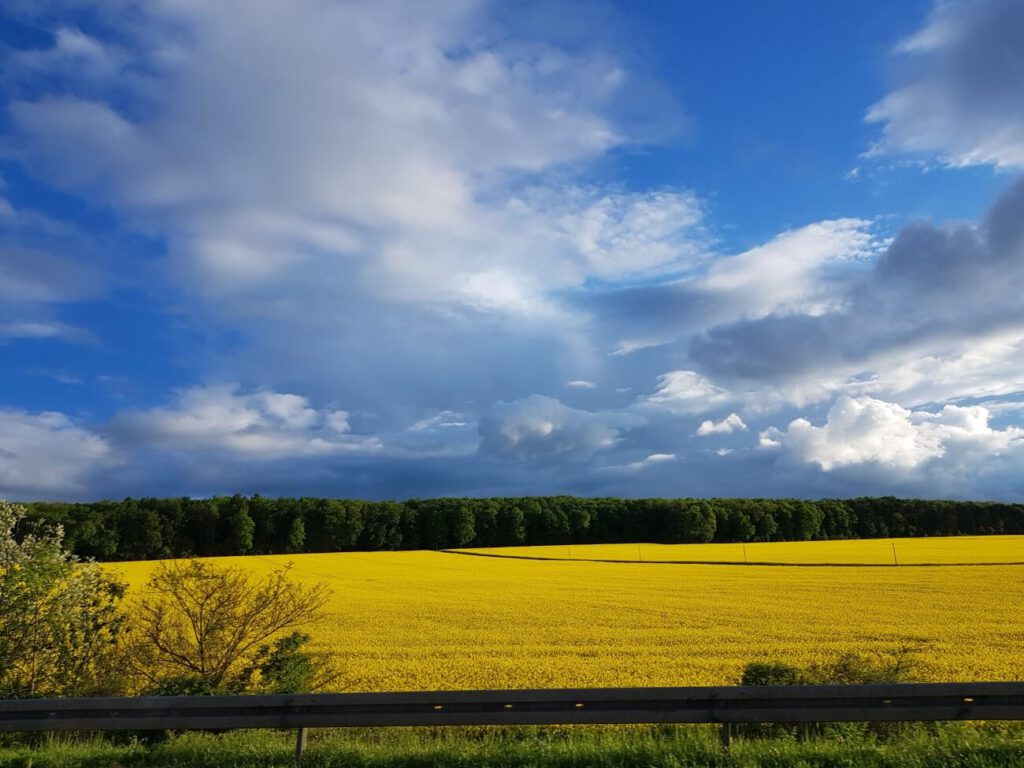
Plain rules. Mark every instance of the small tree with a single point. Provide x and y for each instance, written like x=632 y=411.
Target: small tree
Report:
x=197 y=627
x=59 y=618
x=287 y=666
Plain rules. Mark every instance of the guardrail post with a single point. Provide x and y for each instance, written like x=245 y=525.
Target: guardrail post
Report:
x=726 y=734
x=300 y=743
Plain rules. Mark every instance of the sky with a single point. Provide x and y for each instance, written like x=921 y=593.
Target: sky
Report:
x=391 y=249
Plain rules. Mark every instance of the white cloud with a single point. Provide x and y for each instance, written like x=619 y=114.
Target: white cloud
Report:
x=72 y=50
x=989 y=366
x=728 y=425
x=46 y=454
x=29 y=329
x=421 y=199
x=862 y=431
x=396 y=154
x=256 y=425
x=539 y=426
x=935 y=317
x=442 y=420
x=624 y=235
x=629 y=346
x=685 y=392
x=418 y=228
x=962 y=93
x=651 y=459
x=787 y=274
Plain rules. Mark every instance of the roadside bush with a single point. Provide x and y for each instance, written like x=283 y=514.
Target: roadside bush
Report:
x=59 y=617
x=287 y=666
x=772 y=673
x=850 y=668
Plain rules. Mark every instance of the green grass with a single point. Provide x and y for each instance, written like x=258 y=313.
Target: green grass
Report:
x=945 y=746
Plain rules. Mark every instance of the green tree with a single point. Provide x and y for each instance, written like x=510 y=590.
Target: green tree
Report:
x=511 y=524
x=296 y=538
x=287 y=666
x=59 y=618
x=196 y=627
x=237 y=527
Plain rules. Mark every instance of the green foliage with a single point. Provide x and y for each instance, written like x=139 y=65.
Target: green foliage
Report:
x=59 y=619
x=772 y=673
x=296 y=538
x=163 y=528
x=849 y=668
x=286 y=666
x=955 y=745
x=897 y=666
x=237 y=527
x=199 y=627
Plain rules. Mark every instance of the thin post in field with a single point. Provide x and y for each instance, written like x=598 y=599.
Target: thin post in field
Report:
x=300 y=743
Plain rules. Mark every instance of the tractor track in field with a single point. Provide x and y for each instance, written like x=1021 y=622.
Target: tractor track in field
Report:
x=770 y=563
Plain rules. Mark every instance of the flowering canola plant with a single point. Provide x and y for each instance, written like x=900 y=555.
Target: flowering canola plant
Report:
x=944 y=550
x=438 y=620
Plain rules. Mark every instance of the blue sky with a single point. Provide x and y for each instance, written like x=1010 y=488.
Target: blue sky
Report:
x=390 y=249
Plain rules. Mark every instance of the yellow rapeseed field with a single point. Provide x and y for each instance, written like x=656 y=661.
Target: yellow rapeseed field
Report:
x=935 y=550
x=435 y=620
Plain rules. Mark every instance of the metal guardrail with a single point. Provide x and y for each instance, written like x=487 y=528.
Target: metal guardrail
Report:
x=725 y=705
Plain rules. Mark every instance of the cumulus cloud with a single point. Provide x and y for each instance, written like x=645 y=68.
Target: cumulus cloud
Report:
x=649 y=460
x=803 y=271
x=728 y=425
x=960 y=93
x=417 y=233
x=866 y=431
x=422 y=110
x=787 y=274
x=627 y=235
x=47 y=454
x=685 y=392
x=539 y=426
x=255 y=425
x=943 y=299
x=423 y=198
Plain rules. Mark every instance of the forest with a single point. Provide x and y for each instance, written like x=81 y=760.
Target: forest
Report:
x=151 y=528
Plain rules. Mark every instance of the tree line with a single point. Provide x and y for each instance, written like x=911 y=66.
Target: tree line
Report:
x=149 y=528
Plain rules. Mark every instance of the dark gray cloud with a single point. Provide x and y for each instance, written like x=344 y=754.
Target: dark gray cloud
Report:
x=540 y=427
x=933 y=286
x=45 y=266
x=959 y=90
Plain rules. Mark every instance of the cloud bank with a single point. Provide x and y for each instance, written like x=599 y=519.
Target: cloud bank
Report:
x=419 y=272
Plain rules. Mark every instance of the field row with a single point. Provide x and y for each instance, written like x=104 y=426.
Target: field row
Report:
x=949 y=550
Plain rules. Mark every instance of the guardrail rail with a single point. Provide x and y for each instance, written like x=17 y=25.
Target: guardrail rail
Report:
x=723 y=705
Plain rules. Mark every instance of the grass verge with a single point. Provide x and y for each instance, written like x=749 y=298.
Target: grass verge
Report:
x=917 y=746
